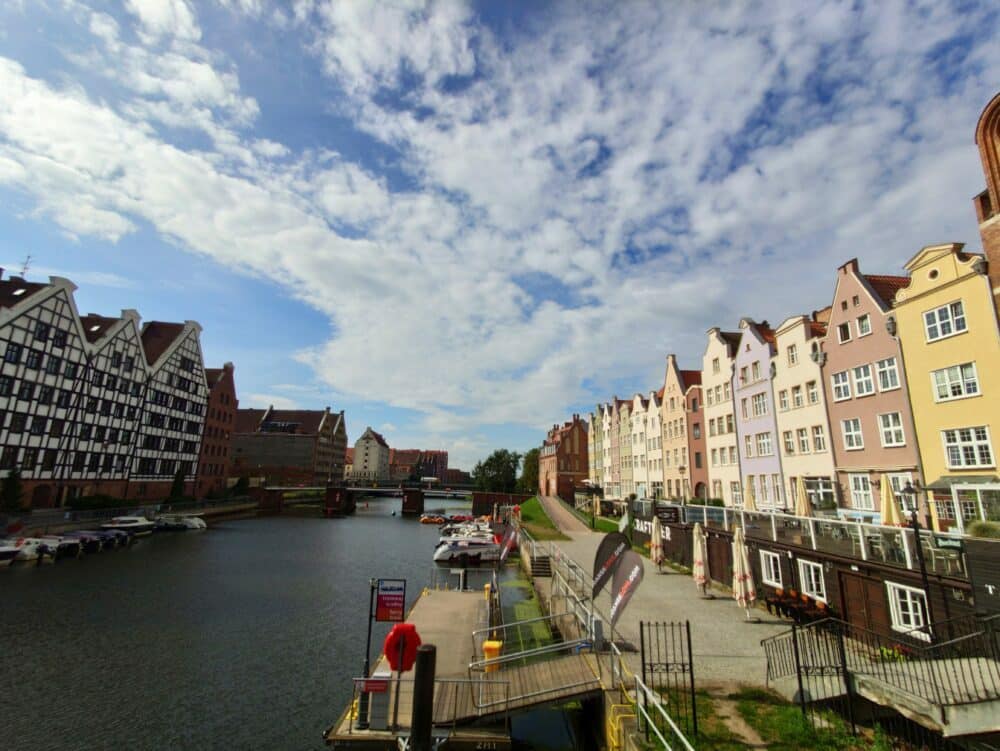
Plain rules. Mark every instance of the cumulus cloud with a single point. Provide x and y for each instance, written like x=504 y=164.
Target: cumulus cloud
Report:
x=583 y=193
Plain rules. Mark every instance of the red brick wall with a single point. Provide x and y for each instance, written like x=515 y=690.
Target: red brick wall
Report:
x=216 y=442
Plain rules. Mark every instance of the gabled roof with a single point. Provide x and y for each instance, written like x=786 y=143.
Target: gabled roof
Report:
x=212 y=375
x=886 y=286
x=377 y=436
x=15 y=290
x=95 y=326
x=157 y=336
x=305 y=420
x=691 y=377
x=248 y=420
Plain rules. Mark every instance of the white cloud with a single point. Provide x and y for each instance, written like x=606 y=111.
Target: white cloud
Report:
x=263 y=401
x=660 y=170
x=159 y=18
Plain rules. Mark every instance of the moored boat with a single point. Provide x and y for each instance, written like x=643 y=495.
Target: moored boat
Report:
x=90 y=541
x=134 y=525
x=29 y=548
x=8 y=553
x=63 y=547
x=180 y=522
x=469 y=550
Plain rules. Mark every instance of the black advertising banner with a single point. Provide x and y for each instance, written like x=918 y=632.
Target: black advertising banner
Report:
x=608 y=554
x=628 y=576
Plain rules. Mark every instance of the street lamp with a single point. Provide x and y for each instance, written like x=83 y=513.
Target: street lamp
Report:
x=681 y=470
x=911 y=497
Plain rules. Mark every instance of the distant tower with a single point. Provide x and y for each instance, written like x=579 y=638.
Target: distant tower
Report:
x=988 y=202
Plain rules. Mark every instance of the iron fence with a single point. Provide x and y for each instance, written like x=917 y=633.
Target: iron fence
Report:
x=668 y=668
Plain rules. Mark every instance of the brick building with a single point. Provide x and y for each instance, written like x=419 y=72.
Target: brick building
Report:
x=562 y=461
x=290 y=447
x=220 y=418
x=371 y=458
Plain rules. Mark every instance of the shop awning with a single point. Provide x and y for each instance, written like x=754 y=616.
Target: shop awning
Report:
x=946 y=482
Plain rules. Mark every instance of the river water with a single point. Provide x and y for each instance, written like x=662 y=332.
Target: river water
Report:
x=244 y=636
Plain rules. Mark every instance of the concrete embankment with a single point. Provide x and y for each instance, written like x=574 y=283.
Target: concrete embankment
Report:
x=68 y=521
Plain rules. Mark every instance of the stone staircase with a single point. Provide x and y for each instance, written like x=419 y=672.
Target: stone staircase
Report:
x=541 y=567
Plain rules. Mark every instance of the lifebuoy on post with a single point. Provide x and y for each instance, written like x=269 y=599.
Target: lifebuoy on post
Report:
x=404 y=634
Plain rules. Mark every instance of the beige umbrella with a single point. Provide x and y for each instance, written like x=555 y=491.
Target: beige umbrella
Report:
x=656 y=543
x=699 y=554
x=888 y=508
x=749 y=501
x=802 y=505
x=744 y=591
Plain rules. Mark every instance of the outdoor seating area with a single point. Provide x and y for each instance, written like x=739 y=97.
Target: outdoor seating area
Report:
x=799 y=607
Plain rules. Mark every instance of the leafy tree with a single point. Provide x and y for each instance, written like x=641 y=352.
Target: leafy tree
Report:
x=11 y=491
x=177 y=487
x=497 y=473
x=528 y=482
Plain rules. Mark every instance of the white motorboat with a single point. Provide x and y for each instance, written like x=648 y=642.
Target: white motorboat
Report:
x=29 y=548
x=8 y=553
x=136 y=526
x=468 y=550
x=180 y=522
x=63 y=547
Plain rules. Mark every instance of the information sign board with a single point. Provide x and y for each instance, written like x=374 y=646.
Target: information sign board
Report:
x=390 y=600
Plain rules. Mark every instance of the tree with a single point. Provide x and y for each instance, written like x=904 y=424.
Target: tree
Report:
x=497 y=473
x=11 y=491
x=177 y=487
x=528 y=482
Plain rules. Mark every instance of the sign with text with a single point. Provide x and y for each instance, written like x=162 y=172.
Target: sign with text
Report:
x=390 y=600
x=669 y=514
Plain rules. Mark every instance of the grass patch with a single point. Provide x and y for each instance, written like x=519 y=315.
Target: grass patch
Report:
x=783 y=728
x=538 y=523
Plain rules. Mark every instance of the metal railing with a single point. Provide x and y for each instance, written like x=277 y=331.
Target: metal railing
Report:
x=960 y=670
x=654 y=719
x=892 y=546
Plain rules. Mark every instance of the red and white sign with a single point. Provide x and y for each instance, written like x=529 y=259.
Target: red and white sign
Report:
x=390 y=600
x=373 y=685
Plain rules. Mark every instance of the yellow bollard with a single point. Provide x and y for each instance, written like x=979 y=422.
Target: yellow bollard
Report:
x=491 y=651
x=486 y=589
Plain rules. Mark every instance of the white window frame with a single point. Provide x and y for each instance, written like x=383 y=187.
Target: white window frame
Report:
x=812 y=392
x=765 y=446
x=953 y=312
x=783 y=400
x=868 y=321
x=862 y=496
x=793 y=354
x=913 y=596
x=736 y=491
x=841 y=387
x=789 y=440
x=976 y=443
x=818 y=432
x=811 y=579
x=798 y=398
x=758 y=402
x=891 y=431
x=889 y=368
x=867 y=380
x=898 y=481
x=963 y=380
x=748 y=445
x=860 y=432
x=802 y=438
x=770 y=568
x=841 y=328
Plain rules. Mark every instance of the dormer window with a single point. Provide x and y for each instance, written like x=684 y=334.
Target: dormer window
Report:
x=844 y=333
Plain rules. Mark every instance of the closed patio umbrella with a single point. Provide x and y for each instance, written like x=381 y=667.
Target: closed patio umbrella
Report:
x=802 y=505
x=699 y=555
x=744 y=590
x=656 y=543
x=888 y=508
x=749 y=501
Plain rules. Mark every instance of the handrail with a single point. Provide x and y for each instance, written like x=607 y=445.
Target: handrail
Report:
x=533 y=652
x=644 y=692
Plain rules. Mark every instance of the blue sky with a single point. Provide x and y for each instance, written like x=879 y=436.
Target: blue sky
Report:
x=464 y=222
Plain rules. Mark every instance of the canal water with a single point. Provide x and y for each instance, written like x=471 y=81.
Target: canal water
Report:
x=245 y=636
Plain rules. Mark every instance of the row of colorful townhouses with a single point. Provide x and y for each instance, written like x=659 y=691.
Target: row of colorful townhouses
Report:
x=99 y=405
x=897 y=381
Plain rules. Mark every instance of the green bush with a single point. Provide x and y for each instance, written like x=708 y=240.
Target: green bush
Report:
x=989 y=530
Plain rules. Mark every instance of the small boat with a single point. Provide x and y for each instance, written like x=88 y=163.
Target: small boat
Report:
x=471 y=550
x=432 y=519
x=64 y=547
x=109 y=540
x=8 y=553
x=90 y=541
x=122 y=538
x=135 y=525
x=29 y=548
x=180 y=522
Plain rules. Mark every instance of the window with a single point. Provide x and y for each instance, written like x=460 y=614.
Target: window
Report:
x=116 y=359
x=841 y=386
x=811 y=576
x=755 y=369
x=956 y=382
x=844 y=333
x=770 y=568
x=803 y=436
x=129 y=363
x=33 y=360
x=968 y=447
x=783 y=400
x=696 y=430
x=776 y=487
x=715 y=365
x=726 y=391
x=898 y=481
x=730 y=424
x=793 y=354
x=789 y=442
x=70 y=370
x=29 y=459
x=53 y=365
x=888 y=375
x=709 y=397
x=737 y=493
x=38 y=425
x=13 y=353
x=6 y=385
x=797 y=396
x=49 y=461
x=765 y=498
x=819 y=439
x=945 y=321
x=697 y=460
x=907 y=606
x=59 y=339
x=65 y=399
x=56 y=428
x=853 y=439
x=748 y=445
x=42 y=331
x=715 y=457
x=85 y=431
x=891 y=429
x=759 y=402
x=861 y=492
x=864 y=325
x=864 y=384
x=45 y=394
x=764 y=447
x=26 y=391
x=812 y=390
x=743 y=407
x=744 y=375
x=732 y=455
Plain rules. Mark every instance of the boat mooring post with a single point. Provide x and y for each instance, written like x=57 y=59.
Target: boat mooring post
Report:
x=363 y=699
x=423 y=698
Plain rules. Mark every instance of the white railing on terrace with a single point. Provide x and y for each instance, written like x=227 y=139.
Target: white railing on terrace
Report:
x=893 y=546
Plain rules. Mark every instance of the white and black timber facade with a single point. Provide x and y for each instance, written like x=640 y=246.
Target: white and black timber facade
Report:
x=93 y=404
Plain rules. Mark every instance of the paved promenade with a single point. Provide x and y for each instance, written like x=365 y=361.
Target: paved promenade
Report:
x=726 y=647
